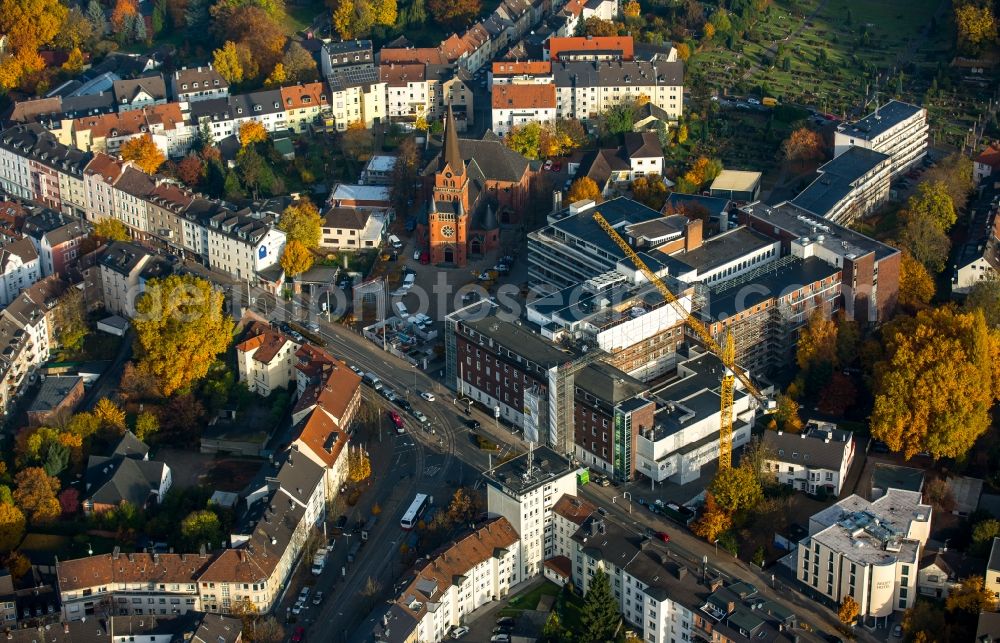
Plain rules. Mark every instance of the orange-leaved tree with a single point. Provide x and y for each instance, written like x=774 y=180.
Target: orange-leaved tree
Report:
x=144 y=153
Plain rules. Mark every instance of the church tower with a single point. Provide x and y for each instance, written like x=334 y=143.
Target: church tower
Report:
x=449 y=212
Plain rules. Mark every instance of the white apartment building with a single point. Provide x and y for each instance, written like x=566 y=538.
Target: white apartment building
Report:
x=266 y=361
x=35 y=165
x=849 y=187
x=25 y=332
x=349 y=228
x=121 y=270
x=196 y=84
x=869 y=550
x=685 y=432
x=475 y=570
x=524 y=490
x=993 y=569
x=20 y=267
x=586 y=89
x=568 y=515
x=815 y=460
x=515 y=105
x=242 y=245
x=897 y=129
x=98 y=180
x=129 y=193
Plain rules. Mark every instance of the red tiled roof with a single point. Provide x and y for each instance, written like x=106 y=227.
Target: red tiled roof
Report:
x=624 y=44
x=990 y=156
x=560 y=565
x=518 y=96
x=108 y=167
x=401 y=74
x=300 y=96
x=573 y=508
x=129 y=568
x=528 y=67
x=422 y=56
x=265 y=342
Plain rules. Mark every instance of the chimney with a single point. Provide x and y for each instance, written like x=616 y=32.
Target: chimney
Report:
x=715 y=584
x=681 y=572
x=693 y=236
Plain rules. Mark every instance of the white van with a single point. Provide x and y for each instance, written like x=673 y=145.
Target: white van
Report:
x=400 y=308
x=395 y=242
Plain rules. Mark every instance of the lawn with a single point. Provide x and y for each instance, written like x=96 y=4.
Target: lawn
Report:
x=528 y=600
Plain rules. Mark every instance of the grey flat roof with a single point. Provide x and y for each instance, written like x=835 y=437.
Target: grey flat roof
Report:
x=617 y=73
x=726 y=247
x=517 y=338
x=513 y=475
x=892 y=476
x=881 y=120
x=836 y=178
x=607 y=383
x=797 y=273
x=799 y=222
x=615 y=211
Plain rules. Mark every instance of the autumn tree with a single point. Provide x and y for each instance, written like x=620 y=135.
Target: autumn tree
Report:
x=596 y=27
x=683 y=51
x=299 y=65
x=713 y=522
x=849 y=610
x=650 y=190
x=838 y=395
x=937 y=492
x=817 y=341
x=955 y=172
x=357 y=142
x=976 y=26
x=343 y=18
x=296 y=258
x=28 y=26
x=110 y=229
x=277 y=77
x=122 y=15
x=69 y=501
x=11 y=527
x=70 y=317
x=226 y=61
x=454 y=13
x=180 y=329
x=926 y=403
x=146 y=424
x=200 y=528
x=109 y=414
x=251 y=133
x=144 y=153
x=971 y=596
x=916 y=286
x=259 y=37
x=786 y=416
x=804 y=145
x=582 y=189
x=932 y=200
x=925 y=622
x=525 y=139
x=359 y=467
x=737 y=488
x=301 y=222
x=923 y=237
x=631 y=9
x=702 y=171
x=35 y=495
x=191 y=169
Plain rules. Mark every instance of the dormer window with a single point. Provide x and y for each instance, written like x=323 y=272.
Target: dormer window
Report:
x=277 y=105
x=216 y=83
x=184 y=86
x=306 y=99
x=239 y=110
x=194 y=85
x=256 y=108
x=288 y=101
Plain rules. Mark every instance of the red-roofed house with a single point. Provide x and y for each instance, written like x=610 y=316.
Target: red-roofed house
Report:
x=266 y=359
x=518 y=104
x=589 y=48
x=986 y=163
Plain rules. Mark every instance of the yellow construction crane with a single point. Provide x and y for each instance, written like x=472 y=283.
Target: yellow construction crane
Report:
x=726 y=353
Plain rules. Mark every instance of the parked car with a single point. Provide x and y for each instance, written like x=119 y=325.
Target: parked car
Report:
x=416 y=254
x=318 y=597
x=459 y=632
x=427 y=395
x=420 y=417
x=357 y=370
x=500 y=638
x=298 y=608
x=506 y=620
x=299 y=635
x=662 y=535
x=897 y=631
x=405 y=405
x=472 y=424
x=556 y=166
x=548 y=164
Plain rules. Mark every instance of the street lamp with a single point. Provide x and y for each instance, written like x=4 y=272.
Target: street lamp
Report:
x=90 y=550
x=716 y=546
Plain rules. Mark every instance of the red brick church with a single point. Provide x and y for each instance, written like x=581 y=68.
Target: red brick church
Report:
x=472 y=188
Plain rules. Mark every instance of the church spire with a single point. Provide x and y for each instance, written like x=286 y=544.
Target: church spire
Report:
x=452 y=154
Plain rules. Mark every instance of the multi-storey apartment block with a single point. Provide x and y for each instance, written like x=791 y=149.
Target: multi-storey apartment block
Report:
x=849 y=187
x=896 y=129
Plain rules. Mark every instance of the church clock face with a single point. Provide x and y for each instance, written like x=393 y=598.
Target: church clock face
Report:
x=448 y=231
x=447 y=175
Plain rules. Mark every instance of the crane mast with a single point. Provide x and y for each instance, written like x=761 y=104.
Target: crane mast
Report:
x=726 y=353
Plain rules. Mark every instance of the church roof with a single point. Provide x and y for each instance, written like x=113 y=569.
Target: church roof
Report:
x=452 y=154
x=488 y=221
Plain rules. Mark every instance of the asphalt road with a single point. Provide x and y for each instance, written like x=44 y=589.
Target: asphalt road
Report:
x=437 y=463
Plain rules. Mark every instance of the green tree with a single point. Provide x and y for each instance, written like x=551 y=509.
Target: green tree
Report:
x=56 y=459
x=983 y=534
x=97 y=18
x=955 y=172
x=985 y=297
x=932 y=199
x=146 y=424
x=618 y=119
x=404 y=175
x=71 y=320
x=927 y=242
x=599 y=617
x=926 y=403
x=202 y=528
x=180 y=329
x=301 y=222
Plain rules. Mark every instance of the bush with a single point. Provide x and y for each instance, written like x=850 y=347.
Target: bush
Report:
x=486 y=444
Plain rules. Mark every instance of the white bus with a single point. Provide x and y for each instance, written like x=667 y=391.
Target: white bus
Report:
x=414 y=512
